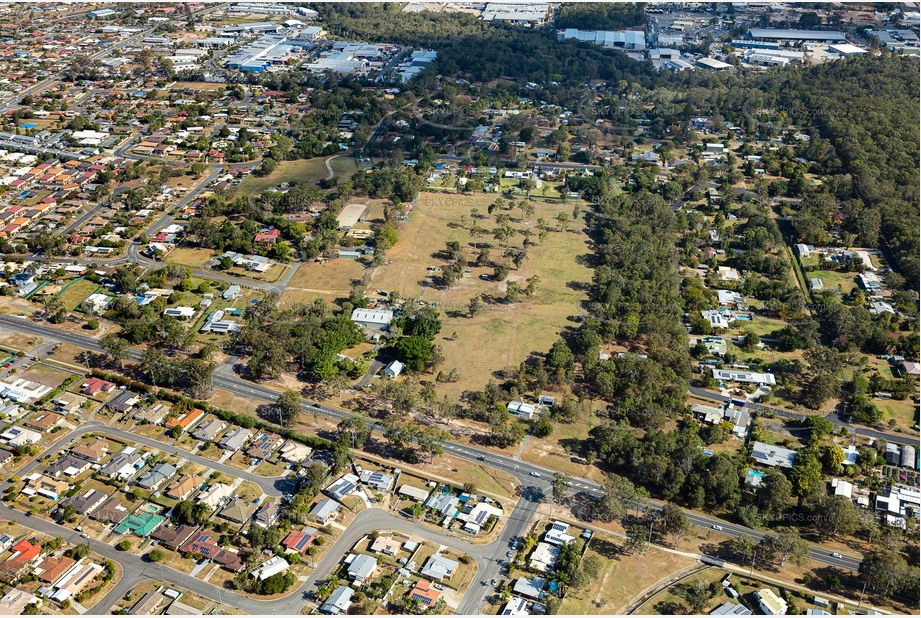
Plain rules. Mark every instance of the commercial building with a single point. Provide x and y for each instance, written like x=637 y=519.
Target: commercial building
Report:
x=797 y=36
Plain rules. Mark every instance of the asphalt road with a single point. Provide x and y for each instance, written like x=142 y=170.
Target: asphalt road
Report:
x=534 y=479
x=833 y=418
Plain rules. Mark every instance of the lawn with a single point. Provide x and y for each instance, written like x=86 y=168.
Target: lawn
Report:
x=309 y=170
x=188 y=256
x=76 y=292
x=330 y=281
x=904 y=412
x=622 y=578
x=514 y=331
x=833 y=280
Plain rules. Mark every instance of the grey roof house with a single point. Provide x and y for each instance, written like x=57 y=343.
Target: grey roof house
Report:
x=154 y=477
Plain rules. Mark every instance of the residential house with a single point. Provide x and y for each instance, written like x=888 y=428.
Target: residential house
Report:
x=201 y=545
x=298 y=540
x=373 y=319
x=530 y=588
x=72 y=582
x=439 y=568
x=338 y=602
x=385 y=545
x=140 y=523
x=156 y=476
x=174 y=538
x=123 y=465
x=68 y=465
x=731 y=609
x=15 y=601
x=111 y=511
x=44 y=422
x=51 y=568
x=95 y=385
x=380 y=481
x=393 y=370
x=17 y=436
x=342 y=487
x=361 y=568
x=267 y=515
x=516 y=606
x=234 y=439
x=124 y=402
x=92 y=452
x=264 y=446
x=207 y=432
x=769 y=603
x=443 y=503
x=294 y=452
x=544 y=557
x=215 y=495
x=24 y=554
x=751 y=377
x=41 y=485
x=324 y=510
x=148 y=604
x=272 y=566
x=85 y=503
x=557 y=534
x=238 y=511
x=773 y=456
x=68 y=403
x=415 y=494
x=425 y=593
x=186 y=420
x=520 y=409
x=154 y=414
x=183 y=487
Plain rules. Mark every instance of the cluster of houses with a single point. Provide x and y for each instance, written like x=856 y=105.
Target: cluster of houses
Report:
x=361 y=568
x=61 y=577
x=893 y=504
x=529 y=593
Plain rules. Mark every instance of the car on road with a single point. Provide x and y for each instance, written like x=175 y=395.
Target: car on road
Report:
x=509 y=553
x=717 y=527
x=835 y=554
x=480 y=458
x=535 y=474
x=493 y=581
x=84 y=536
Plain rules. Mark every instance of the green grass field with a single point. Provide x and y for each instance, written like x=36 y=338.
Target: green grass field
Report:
x=76 y=293
x=310 y=170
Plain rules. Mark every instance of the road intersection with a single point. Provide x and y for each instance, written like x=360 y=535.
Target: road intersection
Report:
x=535 y=479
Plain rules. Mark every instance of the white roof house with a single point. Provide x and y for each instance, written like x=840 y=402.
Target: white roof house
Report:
x=773 y=456
x=378 y=319
x=361 y=568
x=393 y=370
x=439 y=567
x=770 y=603
x=18 y=436
x=294 y=452
x=272 y=566
x=339 y=601
x=521 y=410
x=215 y=495
x=716 y=319
x=731 y=375
x=516 y=606
x=414 y=493
x=544 y=557
x=179 y=312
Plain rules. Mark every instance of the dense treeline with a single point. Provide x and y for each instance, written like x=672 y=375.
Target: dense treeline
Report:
x=308 y=336
x=862 y=118
x=636 y=299
x=482 y=51
x=601 y=15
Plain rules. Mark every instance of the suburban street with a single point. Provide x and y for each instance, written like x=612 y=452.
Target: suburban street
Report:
x=535 y=479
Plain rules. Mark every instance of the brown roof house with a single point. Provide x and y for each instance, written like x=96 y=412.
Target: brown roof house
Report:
x=93 y=451
x=183 y=487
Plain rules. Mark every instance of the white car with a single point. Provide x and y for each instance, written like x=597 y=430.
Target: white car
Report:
x=835 y=554
x=717 y=527
x=535 y=474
